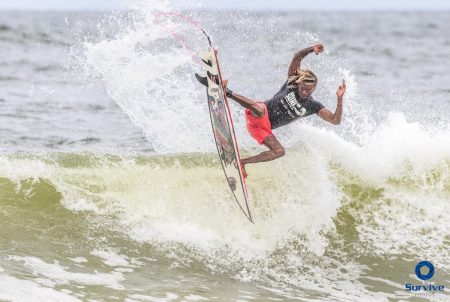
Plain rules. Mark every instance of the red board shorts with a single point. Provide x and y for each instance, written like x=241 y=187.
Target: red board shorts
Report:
x=258 y=127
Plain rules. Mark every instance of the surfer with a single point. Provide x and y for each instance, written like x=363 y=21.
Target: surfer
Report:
x=293 y=101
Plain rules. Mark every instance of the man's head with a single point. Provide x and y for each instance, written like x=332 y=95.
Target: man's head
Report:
x=305 y=81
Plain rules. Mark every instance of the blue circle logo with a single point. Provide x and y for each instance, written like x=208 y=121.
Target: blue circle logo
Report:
x=430 y=267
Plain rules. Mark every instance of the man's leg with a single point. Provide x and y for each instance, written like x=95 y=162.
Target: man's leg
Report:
x=276 y=150
x=255 y=108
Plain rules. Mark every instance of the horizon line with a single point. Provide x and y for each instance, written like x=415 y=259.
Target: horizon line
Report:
x=443 y=10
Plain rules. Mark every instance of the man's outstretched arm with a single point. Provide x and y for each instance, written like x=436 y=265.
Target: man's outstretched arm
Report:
x=299 y=55
x=336 y=117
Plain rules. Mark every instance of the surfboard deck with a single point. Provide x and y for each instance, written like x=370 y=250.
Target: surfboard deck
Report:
x=223 y=130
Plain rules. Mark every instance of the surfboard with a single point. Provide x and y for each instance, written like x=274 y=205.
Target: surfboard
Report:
x=223 y=130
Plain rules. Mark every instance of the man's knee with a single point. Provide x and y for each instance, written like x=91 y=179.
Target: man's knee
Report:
x=279 y=152
x=274 y=146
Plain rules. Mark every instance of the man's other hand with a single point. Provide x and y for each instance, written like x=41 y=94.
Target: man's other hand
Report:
x=341 y=90
x=318 y=48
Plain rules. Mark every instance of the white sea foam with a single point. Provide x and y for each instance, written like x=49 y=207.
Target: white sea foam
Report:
x=79 y=260
x=169 y=297
x=159 y=87
x=195 y=298
x=61 y=275
x=111 y=258
x=195 y=219
x=13 y=289
x=201 y=217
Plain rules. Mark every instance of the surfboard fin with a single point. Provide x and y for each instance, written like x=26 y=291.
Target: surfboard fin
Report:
x=202 y=80
x=206 y=58
x=207 y=62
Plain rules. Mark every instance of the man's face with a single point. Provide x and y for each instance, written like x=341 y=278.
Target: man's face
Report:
x=305 y=91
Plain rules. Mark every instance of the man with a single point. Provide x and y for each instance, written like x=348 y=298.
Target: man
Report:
x=291 y=102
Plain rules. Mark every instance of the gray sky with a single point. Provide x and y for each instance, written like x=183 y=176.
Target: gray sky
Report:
x=60 y=4
x=244 y=4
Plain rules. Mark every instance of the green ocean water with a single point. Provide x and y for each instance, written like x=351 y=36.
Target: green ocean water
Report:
x=90 y=227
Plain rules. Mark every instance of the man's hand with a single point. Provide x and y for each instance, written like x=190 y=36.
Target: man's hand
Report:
x=299 y=55
x=318 y=48
x=341 y=90
x=336 y=117
x=228 y=92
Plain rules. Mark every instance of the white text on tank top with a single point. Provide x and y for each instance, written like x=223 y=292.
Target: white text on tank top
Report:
x=291 y=101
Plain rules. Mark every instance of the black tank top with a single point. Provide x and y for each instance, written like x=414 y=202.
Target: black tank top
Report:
x=286 y=106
